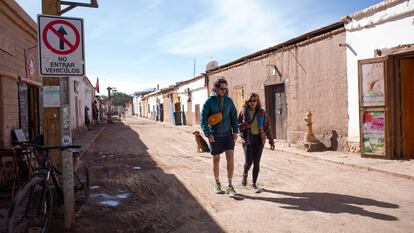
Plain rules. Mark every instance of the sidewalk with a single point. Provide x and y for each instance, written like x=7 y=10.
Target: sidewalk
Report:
x=398 y=168
x=88 y=137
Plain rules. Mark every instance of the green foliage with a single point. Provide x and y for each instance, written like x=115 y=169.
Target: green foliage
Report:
x=120 y=99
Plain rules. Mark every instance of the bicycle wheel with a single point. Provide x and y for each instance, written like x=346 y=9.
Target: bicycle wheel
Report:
x=30 y=211
x=81 y=186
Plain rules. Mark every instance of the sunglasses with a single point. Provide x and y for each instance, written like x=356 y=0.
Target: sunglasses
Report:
x=223 y=88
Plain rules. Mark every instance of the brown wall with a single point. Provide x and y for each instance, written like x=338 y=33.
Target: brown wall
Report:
x=9 y=112
x=314 y=73
x=145 y=110
x=17 y=38
x=167 y=103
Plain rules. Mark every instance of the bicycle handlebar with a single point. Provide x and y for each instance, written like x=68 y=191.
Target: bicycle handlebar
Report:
x=39 y=147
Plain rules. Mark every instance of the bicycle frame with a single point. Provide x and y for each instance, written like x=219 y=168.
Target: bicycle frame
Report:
x=38 y=190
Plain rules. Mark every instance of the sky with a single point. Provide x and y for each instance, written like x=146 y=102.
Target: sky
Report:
x=134 y=45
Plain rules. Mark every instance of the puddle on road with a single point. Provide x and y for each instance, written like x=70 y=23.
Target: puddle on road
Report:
x=104 y=155
x=107 y=200
x=122 y=196
x=110 y=203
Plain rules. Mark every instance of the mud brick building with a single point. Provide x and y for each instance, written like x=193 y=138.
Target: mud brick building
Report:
x=20 y=94
x=307 y=73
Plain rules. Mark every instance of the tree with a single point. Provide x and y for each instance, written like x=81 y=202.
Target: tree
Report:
x=120 y=99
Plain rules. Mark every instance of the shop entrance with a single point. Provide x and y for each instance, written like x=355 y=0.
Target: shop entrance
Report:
x=386 y=87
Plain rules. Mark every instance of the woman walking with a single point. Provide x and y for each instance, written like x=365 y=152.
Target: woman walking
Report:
x=254 y=128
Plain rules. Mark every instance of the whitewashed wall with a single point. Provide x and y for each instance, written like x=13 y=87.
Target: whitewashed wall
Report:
x=199 y=93
x=85 y=94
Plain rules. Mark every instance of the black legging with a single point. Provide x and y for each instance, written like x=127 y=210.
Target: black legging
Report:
x=252 y=154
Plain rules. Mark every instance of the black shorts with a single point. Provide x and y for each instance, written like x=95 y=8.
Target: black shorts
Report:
x=222 y=144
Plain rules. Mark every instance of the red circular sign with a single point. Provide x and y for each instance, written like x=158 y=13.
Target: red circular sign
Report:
x=72 y=47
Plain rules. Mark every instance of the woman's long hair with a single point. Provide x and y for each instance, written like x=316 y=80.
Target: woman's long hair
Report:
x=251 y=95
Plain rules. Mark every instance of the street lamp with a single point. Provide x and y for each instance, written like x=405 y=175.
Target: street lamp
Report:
x=109 y=121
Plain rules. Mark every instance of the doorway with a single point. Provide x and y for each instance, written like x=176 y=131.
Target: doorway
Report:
x=276 y=107
x=77 y=113
x=33 y=94
x=197 y=114
x=407 y=107
x=161 y=113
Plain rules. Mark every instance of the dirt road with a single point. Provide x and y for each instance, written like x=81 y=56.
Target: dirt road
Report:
x=148 y=178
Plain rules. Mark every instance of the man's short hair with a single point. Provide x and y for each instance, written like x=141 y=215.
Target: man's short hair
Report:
x=219 y=81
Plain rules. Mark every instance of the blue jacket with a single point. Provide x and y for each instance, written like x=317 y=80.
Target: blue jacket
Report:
x=228 y=125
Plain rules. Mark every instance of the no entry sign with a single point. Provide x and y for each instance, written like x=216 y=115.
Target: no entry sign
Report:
x=61 y=46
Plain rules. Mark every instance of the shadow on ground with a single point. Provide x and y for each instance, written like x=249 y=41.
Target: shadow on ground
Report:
x=327 y=203
x=130 y=193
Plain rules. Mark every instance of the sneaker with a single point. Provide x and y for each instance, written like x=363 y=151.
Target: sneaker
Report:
x=244 y=181
x=217 y=189
x=256 y=189
x=230 y=191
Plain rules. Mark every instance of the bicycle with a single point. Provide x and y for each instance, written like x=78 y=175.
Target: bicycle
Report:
x=31 y=209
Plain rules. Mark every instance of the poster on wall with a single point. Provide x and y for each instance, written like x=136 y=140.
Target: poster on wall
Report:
x=51 y=96
x=373 y=132
x=373 y=89
x=24 y=108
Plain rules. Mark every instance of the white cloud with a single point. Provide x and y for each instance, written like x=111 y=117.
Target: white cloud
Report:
x=233 y=24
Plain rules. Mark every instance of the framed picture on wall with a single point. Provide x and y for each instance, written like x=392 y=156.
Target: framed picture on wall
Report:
x=373 y=132
x=373 y=84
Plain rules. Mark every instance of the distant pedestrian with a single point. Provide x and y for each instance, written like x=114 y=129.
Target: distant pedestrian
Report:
x=95 y=111
x=87 y=121
x=219 y=123
x=254 y=128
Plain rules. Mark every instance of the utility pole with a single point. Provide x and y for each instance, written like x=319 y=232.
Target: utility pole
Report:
x=109 y=120
x=194 y=70
x=57 y=119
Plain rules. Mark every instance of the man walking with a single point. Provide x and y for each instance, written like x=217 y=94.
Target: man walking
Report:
x=220 y=124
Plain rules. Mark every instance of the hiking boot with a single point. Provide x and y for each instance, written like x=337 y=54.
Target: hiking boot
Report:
x=230 y=191
x=217 y=189
x=244 y=180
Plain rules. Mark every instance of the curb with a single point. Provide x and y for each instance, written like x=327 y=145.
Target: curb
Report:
x=88 y=145
x=361 y=167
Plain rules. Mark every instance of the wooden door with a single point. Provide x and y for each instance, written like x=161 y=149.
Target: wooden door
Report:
x=177 y=107
x=270 y=92
x=276 y=108
x=161 y=112
x=281 y=113
x=407 y=106
x=33 y=111
x=197 y=114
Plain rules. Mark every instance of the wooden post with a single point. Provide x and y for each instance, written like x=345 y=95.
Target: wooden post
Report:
x=109 y=120
x=57 y=127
